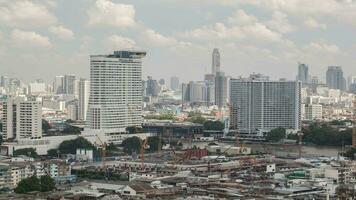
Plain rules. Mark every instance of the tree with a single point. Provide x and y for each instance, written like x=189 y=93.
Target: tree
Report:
x=0 y=126
x=276 y=134
x=214 y=125
x=53 y=153
x=134 y=129
x=45 y=126
x=28 y=185
x=31 y=152
x=71 y=146
x=131 y=144
x=71 y=129
x=47 y=183
x=196 y=117
x=153 y=143
x=350 y=153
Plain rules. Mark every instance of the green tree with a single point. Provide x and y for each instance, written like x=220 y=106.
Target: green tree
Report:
x=28 y=185
x=131 y=144
x=71 y=129
x=0 y=126
x=153 y=143
x=276 y=134
x=71 y=146
x=47 y=184
x=53 y=153
x=196 y=117
x=214 y=125
x=350 y=153
x=45 y=125
x=31 y=152
x=134 y=129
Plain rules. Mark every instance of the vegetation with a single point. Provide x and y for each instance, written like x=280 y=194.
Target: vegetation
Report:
x=214 y=125
x=153 y=143
x=134 y=129
x=71 y=129
x=53 y=153
x=44 y=184
x=276 y=135
x=31 y=152
x=196 y=117
x=325 y=134
x=131 y=144
x=168 y=116
x=350 y=153
x=0 y=126
x=70 y=146
x=45 y=126
x=101 y=175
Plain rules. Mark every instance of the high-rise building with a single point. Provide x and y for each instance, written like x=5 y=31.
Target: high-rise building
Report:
x=303 y=73
x=220 y=89
x=174 y=83
x=215 y=65
x=22 y=119
x=260 y=105
x=352 y=84
x=115 y=100
x=152 y=87
x=83 y=97
x=313 y=112
x=72 y=111
x=58 y=85
x=162 y=81
x=69 y=84
x=335 y=78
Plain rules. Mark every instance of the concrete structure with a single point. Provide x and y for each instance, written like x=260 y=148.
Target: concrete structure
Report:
x=58 y=85
x=69 y=84
x=259 y=105
x=215 y=64
x=115 y=100
x=313 y=112
x=152 y=87
x=84 y=88
x=220 y=89
x=174 y=83
x=303 y=73
x=22 y=119
x=335 y=78
x=36 y=88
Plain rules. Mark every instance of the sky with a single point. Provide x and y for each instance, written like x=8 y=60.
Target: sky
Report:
x=40 y=39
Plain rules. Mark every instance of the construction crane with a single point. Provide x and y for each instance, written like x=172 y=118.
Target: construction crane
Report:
x=142 y=153
x=103 y=151
x=354 y=124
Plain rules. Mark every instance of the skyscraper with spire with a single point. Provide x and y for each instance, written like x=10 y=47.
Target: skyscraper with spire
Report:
x=215 y=66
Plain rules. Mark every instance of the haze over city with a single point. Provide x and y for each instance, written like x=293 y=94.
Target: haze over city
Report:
x=40 y=39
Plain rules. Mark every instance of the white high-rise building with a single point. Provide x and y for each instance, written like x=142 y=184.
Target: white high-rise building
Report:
x=220 y=89
x=58 y=85
x=69 y=84
x=22 y=119
x=259 y=105
x=215 y=65
x=115 y=100
x=313 y=112
x=84 y=88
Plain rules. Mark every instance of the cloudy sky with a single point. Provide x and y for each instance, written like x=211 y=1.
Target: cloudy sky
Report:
x=44 y=38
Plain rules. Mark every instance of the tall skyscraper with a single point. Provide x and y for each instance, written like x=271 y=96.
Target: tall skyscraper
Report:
x=69 y=84
x=259 y=105
x=174 y=83
x=215 y=65
x=335 y=78
x=152 y=87
x=83 y=97
x=22 y=119
x=303 y=73
x=220 y=89
x=58 y=85
x=115 y=100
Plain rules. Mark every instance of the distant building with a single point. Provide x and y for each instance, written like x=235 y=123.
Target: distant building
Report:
x=22 y=119
x=69 y=84
x=303 y=73
x=352 y=84
x=220 y=89
x=162 y=81
x=36 y=88
x=115 y=100
x=84 y=89
x=72 y=111
x=215 y=65
x=174 y=83
x=58 y=85
x=335 y=78
x=259 y=105
x=313 y=112
x=152 y=87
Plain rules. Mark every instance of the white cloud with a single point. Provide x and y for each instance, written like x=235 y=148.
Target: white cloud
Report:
x=117 y=42
x=24 y=13
x=241 y=17
x=105 y=12
x=29 y=39
x=321 y=47
x=313 y=24
x=62 y=32
x=280 y=23
x=156 y=39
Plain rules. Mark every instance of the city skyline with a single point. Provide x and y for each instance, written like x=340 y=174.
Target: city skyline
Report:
x=251 y=36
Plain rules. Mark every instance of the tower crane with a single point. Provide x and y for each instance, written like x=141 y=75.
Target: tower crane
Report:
x=103 y=151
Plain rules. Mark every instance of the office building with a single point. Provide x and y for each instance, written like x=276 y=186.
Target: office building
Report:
x=174 y=83
x=69 y=84
x=352 y=84
x=259 y=105
x=215 y=65
x=22 y=119
x=335 y=78
x=162 y=81
x=220 y=89
x=83 y=98
x=36 y=88
x=115 y=100
x=303 y=73
x=58 y=85
x=72 y=111
x=152 y=87
x=313 y=112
